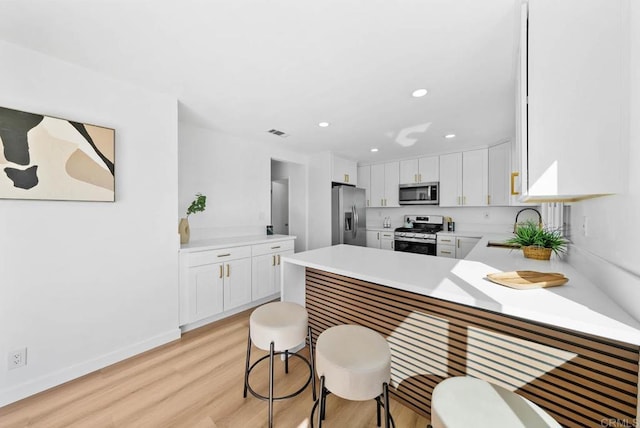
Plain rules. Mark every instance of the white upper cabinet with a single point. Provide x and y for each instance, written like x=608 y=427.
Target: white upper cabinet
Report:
x=344 y=171
x=499 y=174
x=464 y=178
x=364 y=182
x=385 y=179
x=575 y=66
x=422 y=170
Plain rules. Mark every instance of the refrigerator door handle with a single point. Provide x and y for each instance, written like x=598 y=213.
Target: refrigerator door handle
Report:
x=357 y=221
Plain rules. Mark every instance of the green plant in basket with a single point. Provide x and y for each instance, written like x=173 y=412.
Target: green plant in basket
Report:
x=531 y=234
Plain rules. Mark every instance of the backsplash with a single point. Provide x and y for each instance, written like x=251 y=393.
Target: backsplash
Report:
x=473 y=219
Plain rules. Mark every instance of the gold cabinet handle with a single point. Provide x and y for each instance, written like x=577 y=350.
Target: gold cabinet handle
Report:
x=273 y=260
x=445 y=240
x=458 y=243
x=367 y=202
x=221 y=271
x=458 y=200
x=378 y=236
x=224 y=255
x=513 y=183
x=415 y=178
x=488 y=199
x=276 y=247
x=278 y=260
x=445 y=252
x=419 y=178
x=464 y=200
x=228 y=270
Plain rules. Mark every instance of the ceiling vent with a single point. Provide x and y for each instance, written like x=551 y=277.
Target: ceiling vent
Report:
x=278 y=133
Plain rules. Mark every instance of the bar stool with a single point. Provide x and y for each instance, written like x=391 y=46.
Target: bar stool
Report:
x=354 y=363
x=277 y=327
x=465 y=401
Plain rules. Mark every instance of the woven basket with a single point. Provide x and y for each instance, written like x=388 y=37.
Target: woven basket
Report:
x=537 y=253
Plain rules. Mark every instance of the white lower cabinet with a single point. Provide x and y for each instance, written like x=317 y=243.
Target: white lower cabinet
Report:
x=266 y=268
x=455 y=246
x=220 y=282
x=216 y=281
x=464 y=245
x=445 y=246
x=380 y=239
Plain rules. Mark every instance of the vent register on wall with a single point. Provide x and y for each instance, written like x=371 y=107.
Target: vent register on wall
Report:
x=43 y=157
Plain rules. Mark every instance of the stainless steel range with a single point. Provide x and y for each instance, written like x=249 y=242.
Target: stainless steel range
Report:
x=421 y=236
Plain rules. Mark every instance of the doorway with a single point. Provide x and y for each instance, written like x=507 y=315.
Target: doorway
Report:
x=280 y=206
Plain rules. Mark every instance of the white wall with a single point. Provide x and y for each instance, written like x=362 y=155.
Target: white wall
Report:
x=320 y=200
x=297 y=175
x=613 y=222
x=86 y=284
x=235 y=175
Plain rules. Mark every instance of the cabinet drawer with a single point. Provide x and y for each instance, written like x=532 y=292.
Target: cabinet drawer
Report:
x=217 y=256
x=446 y=240
x=272 y=247
x=446 y=251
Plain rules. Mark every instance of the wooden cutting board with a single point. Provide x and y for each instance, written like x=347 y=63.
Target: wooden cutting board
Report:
x=528 y=279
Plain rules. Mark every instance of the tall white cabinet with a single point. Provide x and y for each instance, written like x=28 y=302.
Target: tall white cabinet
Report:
x=572 y=123
x=464 y=178
x=385 y=180
x=364 y=182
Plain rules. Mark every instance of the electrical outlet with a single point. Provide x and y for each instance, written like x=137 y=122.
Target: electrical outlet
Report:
x=17 y=358
x=585 y=226
x=486 y=215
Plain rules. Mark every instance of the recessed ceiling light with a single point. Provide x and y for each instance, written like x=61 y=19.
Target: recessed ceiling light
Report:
x=450 y=136
x=323 y=124
x=374 y=150
x=419 y=93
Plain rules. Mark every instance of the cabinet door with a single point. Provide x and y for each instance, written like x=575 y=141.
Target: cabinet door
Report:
x=451 y=180
x=578 y=98
x=499 y=174
x=377 y=185
x=475 y=165
x=237 y=283
x=364 y=182
x=386 y=240
x=391 y=184
x=428 y=169
x=262 y=276
x=373 y=239
x=464 y=246
x=409 y=171
x=344 y=171
x=205 y=291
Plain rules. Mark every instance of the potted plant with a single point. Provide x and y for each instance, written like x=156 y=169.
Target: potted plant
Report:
x=538 y=242
x=198 y=205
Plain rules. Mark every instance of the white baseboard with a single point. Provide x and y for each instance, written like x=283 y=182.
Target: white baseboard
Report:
x=222 y=315
x=45 y=382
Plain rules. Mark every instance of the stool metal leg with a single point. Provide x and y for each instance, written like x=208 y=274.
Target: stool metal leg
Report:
x=313 y=365
x=378 y=411
x=322 y=402
x=246 y=370
x=286 y=361
x=271 y=350
x=385 y=392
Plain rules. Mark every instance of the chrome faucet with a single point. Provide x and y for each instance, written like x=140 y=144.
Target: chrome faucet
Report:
x=515 y=225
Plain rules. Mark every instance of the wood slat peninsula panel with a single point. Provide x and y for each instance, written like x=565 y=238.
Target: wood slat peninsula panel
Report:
x=578 y=378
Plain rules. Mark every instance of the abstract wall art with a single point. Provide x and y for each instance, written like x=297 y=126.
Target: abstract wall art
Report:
x=43 y=157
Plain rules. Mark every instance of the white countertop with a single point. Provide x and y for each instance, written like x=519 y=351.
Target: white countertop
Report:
x=381 y=229
x=234 y=241
x=578 y=305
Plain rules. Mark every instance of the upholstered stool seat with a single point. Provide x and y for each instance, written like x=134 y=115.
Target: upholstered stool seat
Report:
x=459 y=402
x=278 y=327
x=354 y=363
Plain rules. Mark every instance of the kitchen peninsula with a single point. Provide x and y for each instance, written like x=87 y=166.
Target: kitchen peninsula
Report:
x=570 y=349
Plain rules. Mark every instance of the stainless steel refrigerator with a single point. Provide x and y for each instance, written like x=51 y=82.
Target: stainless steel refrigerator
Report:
x=348 y=216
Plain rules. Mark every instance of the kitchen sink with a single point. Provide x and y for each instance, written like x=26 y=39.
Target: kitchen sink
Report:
x=502 y=244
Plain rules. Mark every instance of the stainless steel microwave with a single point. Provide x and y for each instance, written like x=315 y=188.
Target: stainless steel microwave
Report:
x=419 y=194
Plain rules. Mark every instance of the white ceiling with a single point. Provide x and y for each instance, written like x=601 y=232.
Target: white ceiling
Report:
x=247 y=66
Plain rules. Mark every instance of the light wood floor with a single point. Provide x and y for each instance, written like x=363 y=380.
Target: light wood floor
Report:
x=197 y=382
